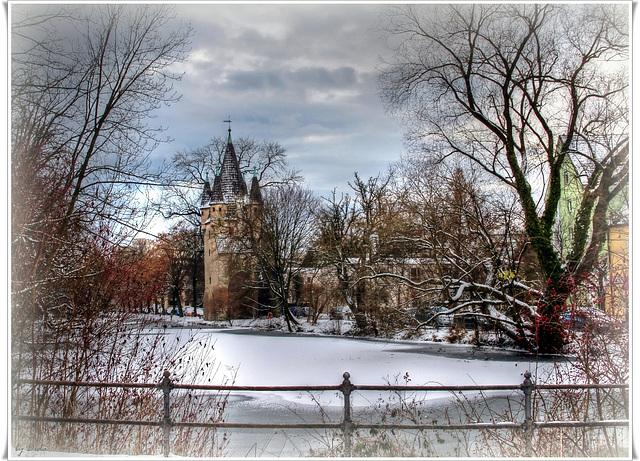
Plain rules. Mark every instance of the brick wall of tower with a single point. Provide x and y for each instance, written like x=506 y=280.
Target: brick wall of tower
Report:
x=225 y=279
x=216 y=278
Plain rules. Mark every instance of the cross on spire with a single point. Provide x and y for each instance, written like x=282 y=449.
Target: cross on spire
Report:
x=228 y=120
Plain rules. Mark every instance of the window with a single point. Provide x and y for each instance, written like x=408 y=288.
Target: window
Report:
x=566 y=177
x=570 y=205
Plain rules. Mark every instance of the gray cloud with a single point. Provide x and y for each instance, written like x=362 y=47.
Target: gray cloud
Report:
x=319 y=77
x=251 y=80
x=299 y=79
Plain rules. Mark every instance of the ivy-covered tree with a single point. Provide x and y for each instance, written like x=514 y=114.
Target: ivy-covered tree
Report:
x=518 y=90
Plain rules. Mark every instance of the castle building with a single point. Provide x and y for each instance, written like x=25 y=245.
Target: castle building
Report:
x=225 y=208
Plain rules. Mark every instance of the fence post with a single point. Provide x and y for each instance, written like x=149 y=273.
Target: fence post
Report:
x=347 y=425
x=166 y=385
x=527 y=388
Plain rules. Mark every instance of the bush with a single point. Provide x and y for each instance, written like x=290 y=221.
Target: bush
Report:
x=457 y=333
x=113 y=347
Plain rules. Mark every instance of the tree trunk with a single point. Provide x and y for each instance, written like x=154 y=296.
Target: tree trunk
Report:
x=287 y=315
x=550 y=336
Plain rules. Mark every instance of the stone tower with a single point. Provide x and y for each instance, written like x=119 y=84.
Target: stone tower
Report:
x=225 y=206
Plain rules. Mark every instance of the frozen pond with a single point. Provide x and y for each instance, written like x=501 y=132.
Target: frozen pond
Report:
x=277 y=359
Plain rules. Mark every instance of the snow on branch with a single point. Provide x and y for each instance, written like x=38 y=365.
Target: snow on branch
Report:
x=491 y=296
x=496 y=293
x=402 y=278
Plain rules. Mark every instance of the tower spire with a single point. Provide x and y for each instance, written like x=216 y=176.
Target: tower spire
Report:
x=233 y=185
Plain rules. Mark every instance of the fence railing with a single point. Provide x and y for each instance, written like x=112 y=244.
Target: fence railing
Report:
x=347 y=425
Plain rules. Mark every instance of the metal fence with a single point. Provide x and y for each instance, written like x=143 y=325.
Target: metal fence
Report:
x=347 y=426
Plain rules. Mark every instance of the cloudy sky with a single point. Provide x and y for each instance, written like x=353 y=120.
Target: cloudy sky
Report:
x=303 y=75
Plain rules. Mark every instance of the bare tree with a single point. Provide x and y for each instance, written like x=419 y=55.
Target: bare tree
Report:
x=84 y=98
x=376 y=224
x=357 y=236
x=80 y=138
x=84 y=82
x=519 y=89
x=280 y=240
x=182 y=247
x=336 y=245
